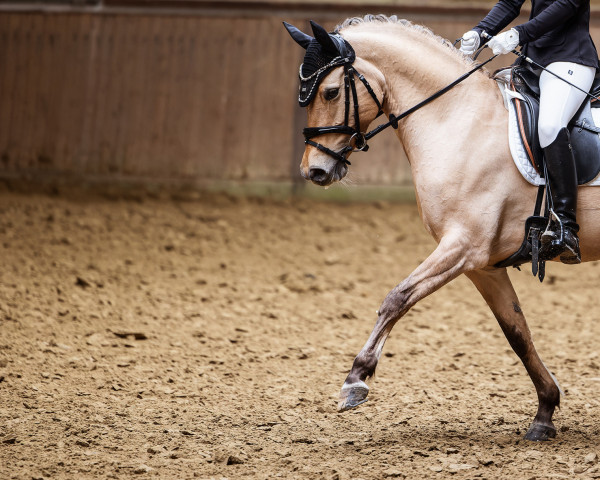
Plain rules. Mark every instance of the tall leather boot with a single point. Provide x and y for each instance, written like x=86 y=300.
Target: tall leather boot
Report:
x=562 y=178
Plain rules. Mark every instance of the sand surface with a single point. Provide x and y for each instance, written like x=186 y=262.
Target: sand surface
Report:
x=208 y=338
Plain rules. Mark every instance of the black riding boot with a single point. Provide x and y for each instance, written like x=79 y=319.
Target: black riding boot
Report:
x=562 y=178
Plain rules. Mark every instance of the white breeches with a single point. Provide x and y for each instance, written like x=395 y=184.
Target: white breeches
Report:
x=559 y=101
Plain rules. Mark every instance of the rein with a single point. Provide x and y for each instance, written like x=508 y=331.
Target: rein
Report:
x=360 y=138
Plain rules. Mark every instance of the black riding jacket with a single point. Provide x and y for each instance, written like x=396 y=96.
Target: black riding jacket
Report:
x=557 y=30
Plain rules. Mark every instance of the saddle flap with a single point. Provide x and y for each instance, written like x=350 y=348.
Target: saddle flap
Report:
x=586 y=144
x=526 y=82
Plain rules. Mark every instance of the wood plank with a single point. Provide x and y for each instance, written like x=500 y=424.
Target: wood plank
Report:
x=207 y=96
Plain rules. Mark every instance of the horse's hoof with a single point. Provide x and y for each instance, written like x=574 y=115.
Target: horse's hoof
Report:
x=540 y=433
x=352 y=395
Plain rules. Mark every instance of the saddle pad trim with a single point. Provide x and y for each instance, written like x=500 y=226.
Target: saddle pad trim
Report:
x=517 y=148
x=523 y=134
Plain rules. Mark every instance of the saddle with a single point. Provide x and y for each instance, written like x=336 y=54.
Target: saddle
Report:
x=585 y=138
x=521 y=92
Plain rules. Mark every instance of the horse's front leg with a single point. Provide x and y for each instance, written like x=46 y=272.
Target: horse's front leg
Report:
x=451 y=258
x=497 y=290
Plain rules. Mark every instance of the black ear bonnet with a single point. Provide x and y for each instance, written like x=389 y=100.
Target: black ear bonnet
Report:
x=324 y=52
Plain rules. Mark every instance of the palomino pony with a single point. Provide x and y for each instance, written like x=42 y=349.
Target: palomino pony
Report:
x=470 y=196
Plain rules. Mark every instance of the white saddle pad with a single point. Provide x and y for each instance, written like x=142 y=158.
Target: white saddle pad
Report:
x=514 y=137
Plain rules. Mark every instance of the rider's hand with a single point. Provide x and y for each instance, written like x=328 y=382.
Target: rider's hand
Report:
x=504 y=42
x=469 y=42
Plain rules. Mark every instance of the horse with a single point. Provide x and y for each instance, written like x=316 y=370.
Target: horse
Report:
x=470 y=196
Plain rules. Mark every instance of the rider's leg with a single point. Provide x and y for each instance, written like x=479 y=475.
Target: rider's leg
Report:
x=558 y=103
x=562 y=179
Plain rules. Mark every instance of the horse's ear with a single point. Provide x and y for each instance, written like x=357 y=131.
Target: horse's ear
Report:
x=324 y=38
x=301 y=38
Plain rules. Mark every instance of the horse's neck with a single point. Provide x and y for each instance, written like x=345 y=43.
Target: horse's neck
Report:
x=415 y=66
x=462 y=131
x=447 y=126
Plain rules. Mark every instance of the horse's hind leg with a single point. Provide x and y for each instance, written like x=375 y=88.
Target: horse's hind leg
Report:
x=498 y=292
x=450 y=259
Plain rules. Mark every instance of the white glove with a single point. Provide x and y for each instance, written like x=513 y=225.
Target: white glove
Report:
x=504 y=42
x=469 y=42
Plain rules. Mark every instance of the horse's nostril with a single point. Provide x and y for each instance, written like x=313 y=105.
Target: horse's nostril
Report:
x=318 y=175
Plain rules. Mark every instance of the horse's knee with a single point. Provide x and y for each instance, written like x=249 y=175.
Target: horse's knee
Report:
x=394 y=305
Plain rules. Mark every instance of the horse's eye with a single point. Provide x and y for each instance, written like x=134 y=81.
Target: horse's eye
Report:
x=331 y=93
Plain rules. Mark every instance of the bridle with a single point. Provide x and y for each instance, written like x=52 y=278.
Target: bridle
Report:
x=357 y=137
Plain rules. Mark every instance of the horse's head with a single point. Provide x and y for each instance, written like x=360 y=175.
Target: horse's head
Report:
x=338 y=111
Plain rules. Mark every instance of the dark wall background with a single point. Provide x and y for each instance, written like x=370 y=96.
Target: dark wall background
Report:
x=193 y=92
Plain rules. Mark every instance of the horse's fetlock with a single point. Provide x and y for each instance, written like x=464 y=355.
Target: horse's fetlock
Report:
x=364 y=366
x=550 y=397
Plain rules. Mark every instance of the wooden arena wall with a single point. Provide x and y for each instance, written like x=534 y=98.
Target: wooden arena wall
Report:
x=190 y=92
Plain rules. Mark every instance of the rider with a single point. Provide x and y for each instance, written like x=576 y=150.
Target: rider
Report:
x=556 y=37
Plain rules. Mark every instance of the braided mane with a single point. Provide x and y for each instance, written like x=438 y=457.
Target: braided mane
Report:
x=356 y=21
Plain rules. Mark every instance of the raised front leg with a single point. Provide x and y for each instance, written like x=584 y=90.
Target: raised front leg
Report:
x=451 y=258
x=498 y=292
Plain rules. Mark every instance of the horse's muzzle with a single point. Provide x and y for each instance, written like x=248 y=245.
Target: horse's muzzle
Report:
x=319 y=176
x=323 y=177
